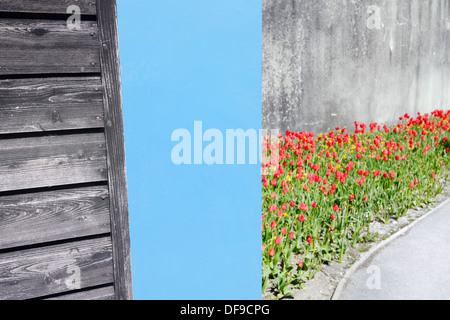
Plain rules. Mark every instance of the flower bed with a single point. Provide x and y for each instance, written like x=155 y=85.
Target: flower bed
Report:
x=319 y=193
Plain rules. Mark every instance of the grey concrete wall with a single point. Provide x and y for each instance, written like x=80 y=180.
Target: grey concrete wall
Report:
x=326 y=64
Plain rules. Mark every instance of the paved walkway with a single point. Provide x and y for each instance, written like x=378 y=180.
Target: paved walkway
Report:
x=415 y=265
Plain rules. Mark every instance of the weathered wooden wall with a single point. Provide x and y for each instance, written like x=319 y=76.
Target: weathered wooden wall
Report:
x=63 y=199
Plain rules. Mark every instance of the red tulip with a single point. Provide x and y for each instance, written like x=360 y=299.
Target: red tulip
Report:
x=278 y=240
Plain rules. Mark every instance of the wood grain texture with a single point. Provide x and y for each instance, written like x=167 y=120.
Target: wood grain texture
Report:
x=105 y=293
x=48 y=161
x=114 y=131
x=47 y=46
x=47 y=6
x=52 y=270
x=50 y=104
x=35 y=218
x=61 y=125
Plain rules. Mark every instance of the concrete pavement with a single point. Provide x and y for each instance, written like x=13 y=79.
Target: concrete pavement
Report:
x=414 y=264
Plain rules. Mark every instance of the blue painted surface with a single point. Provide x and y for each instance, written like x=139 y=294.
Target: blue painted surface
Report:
x=195 y=230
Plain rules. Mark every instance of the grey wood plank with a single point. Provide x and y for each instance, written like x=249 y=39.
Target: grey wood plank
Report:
x=47 y=6
x=50 y=104
x=114 y=131
x=47 y=46
x=105 y=293
x=40 y=272
x=35 y=218
x=48 y=161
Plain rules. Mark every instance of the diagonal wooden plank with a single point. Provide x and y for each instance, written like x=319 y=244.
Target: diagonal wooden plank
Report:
x=48 y=161
x=45 y=271
x=27 y=219
x=50 y=104
x=87 y=7
x=47 y=46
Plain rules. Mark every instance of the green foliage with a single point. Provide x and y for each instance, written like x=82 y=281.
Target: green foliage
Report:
x=320 y=193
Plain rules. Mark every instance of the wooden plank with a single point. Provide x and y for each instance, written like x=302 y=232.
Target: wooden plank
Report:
x=48 y=161
x=87 y=7
x=55 y=269
x=49 y=104
x=107 y=21
x=105 y=293
x=47 y=46
x=35 y=218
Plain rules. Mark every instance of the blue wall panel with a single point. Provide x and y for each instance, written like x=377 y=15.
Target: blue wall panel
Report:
x=195 y=229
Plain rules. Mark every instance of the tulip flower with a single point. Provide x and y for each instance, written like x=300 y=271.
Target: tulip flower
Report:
x=272 y=252
x=360 y=175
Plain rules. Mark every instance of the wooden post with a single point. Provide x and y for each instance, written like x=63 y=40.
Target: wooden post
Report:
x=115 y=142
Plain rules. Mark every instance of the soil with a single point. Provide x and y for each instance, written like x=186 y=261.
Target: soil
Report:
x=325 y=281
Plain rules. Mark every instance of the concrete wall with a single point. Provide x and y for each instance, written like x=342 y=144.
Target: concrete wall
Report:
x=332 y=62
